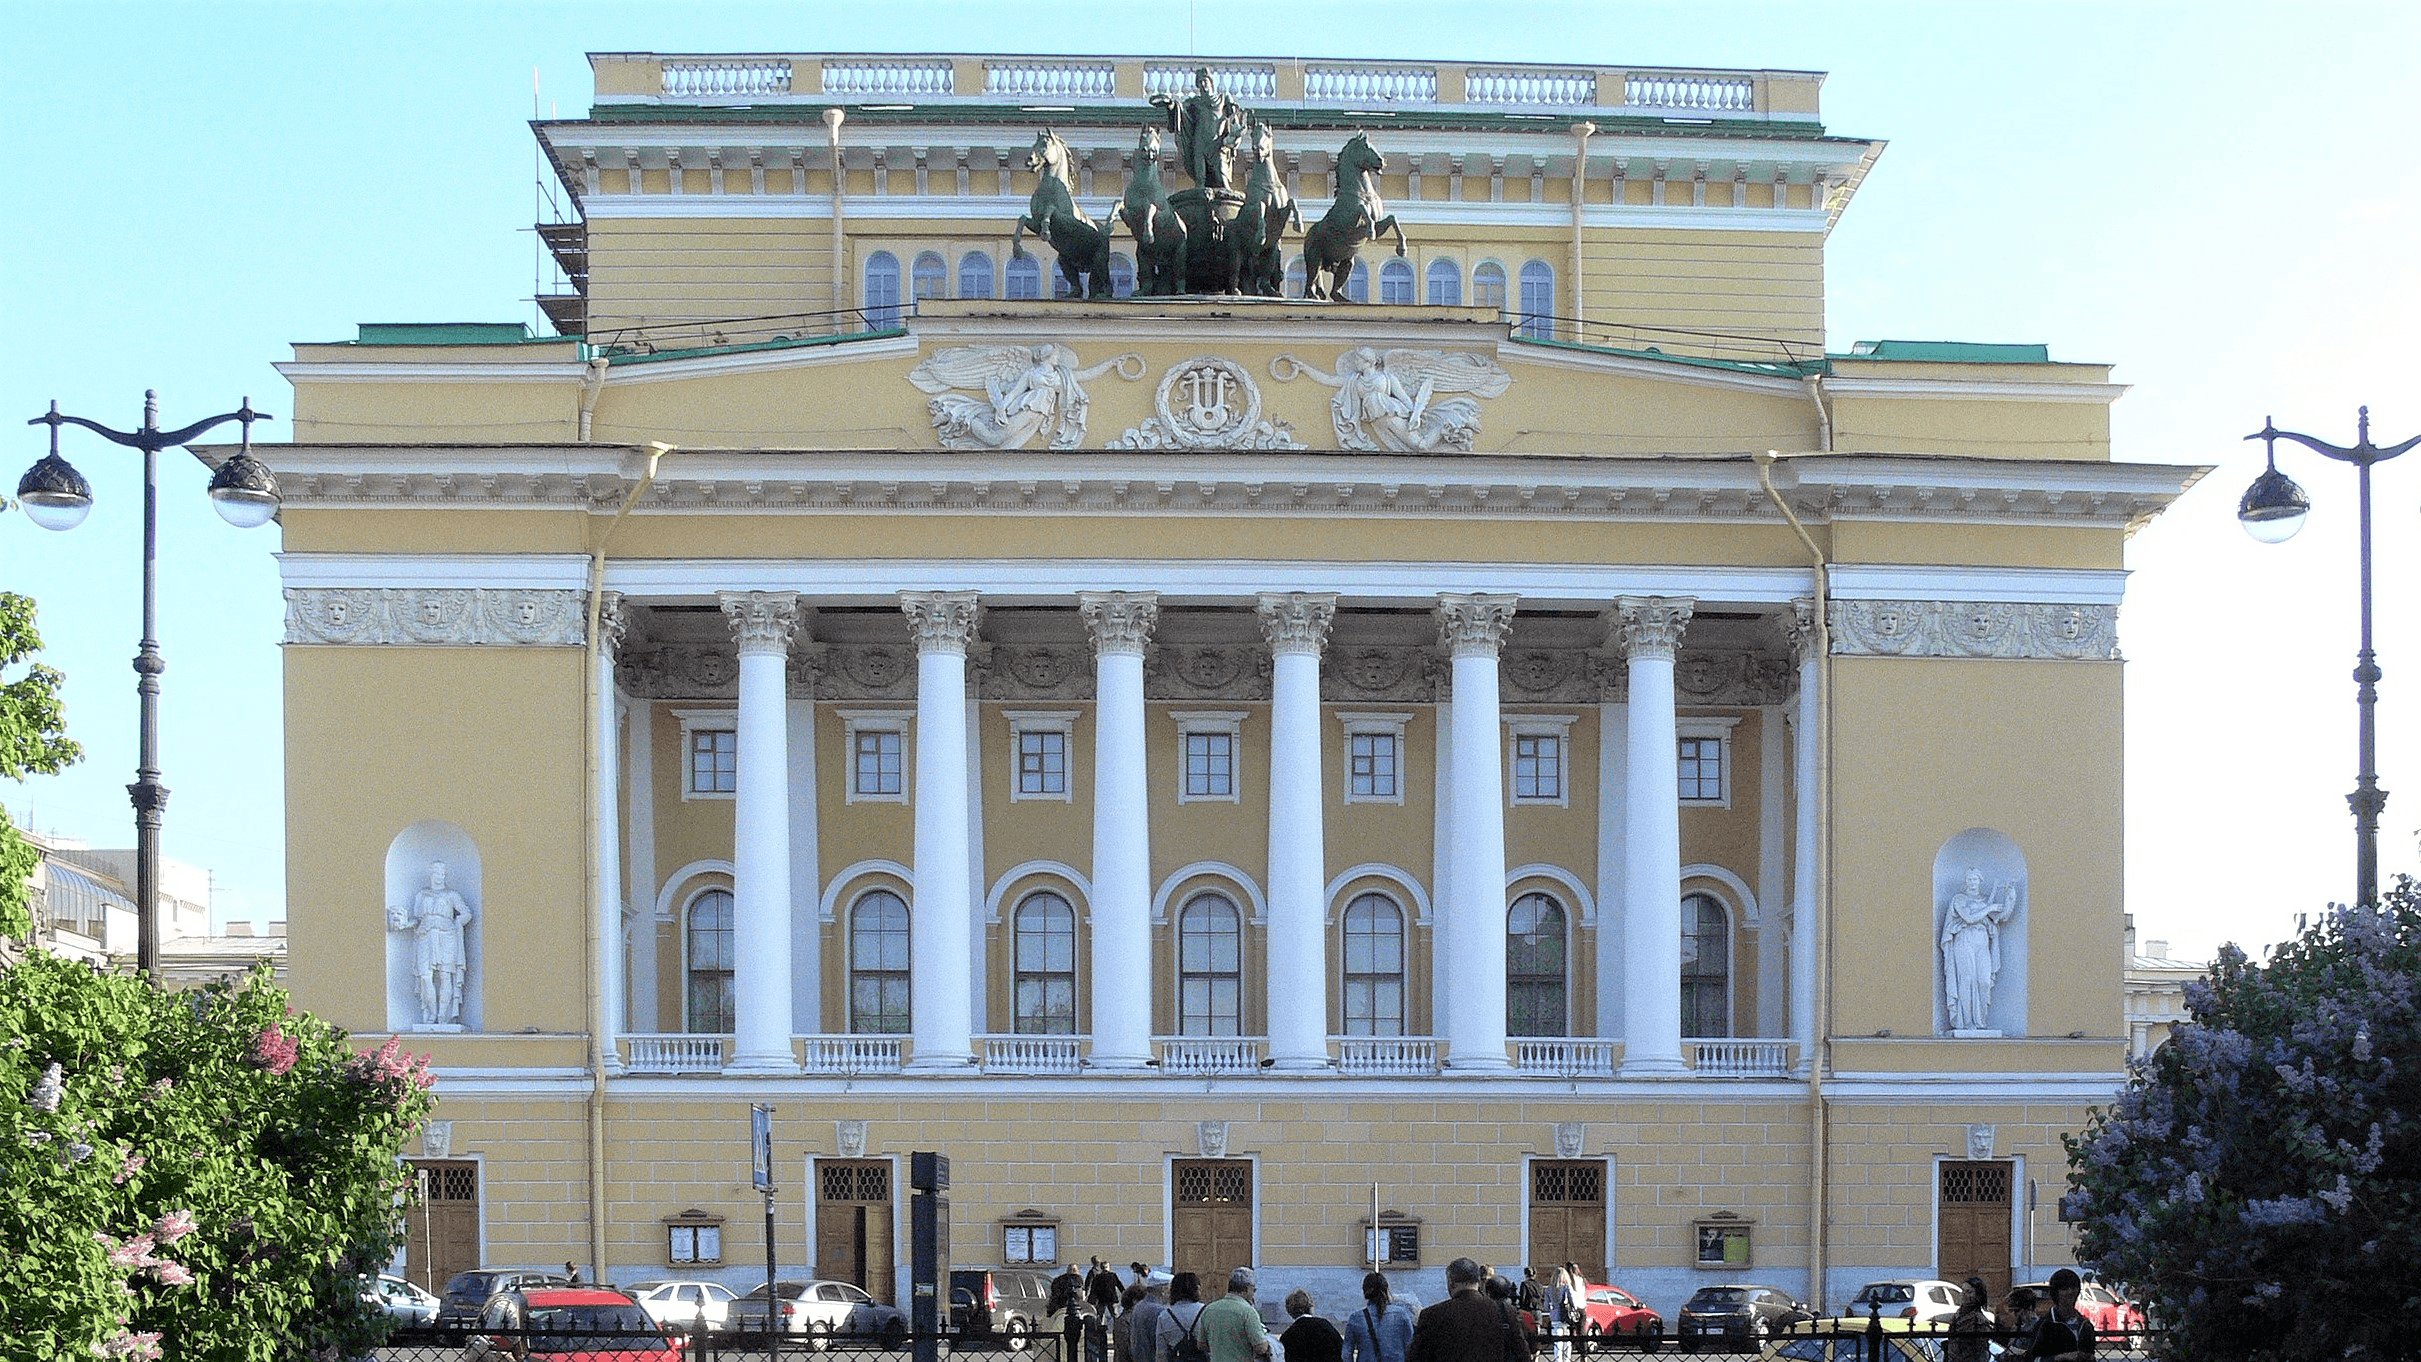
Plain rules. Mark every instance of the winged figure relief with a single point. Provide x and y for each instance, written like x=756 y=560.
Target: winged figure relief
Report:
x=1398 y=399
x=1003 y=396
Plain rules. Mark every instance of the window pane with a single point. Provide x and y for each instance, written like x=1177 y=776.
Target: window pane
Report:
x=877 y=769
x=1488 y=285
x=1024 y=277
x=1042 y=763
x=1357 y=285
x=1538 y=300
x=1044 y=996
x=1395 y=282
x=1372 y=765
x=878 y=964
x=1445 y=284
x=1701 y=768
x=1534 y=967
x=1538 y=766
x=714 y=761
x=1122 y=276
x=707 y=1008
x=1374 y=967
x=975 y=275
x=882 y=291
x=930 y=277
x=1706 y=971
x=1210 y=764
x=1209 y=967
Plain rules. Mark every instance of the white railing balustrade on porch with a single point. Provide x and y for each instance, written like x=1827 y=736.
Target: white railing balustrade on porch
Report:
x=1567 y=1058
x=852 y=1054
x=1210 y=1054
x=1720 y=94
x=1740 y=1058
x=1033 y=1054
x=675 y=1054
x=720 y=79
x=1386 y=1056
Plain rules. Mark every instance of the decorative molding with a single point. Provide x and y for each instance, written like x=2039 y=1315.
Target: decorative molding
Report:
x=1569 y=1137
x=1031 y=671
x=1731 y=677
x=1119 y=621
x=1027 y=391
x=437 y=1139
x=1800 y=630
x=1211 y=1139
x=1296 y=621
x=867 y=671
x=1396 y=400
x=436 y=616
x=1997 y=629
x=677 y=672
x=1548 y=676
x=616 y=618
x=1371 y=675
x=942 y=621
x=1979 y=1142
x=849 y=1139
x=1474 y=625
x=1206 y=672
x=1208 y=403
x=1649 y=626
x=761 y=621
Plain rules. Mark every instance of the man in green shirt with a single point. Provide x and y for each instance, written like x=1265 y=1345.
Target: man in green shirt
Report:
x=1231 y=1325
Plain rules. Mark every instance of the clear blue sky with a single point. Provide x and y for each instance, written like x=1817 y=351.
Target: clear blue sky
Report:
x=2219 y=200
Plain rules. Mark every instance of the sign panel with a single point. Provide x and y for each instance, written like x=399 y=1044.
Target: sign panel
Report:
x=761 y=1146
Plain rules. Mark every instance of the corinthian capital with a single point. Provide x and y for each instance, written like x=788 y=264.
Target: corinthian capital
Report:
x=616 y=617
x=941 y=621
x=1801 y=629
x=1474 y=625
x=761 y=621
x=1297 y=621
x=1121 y=621
x=1649 y=626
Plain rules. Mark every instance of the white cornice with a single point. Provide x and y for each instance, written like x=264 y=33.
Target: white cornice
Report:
x=1661 y=371
x=999 y=210
x=420 y=371
x=763 y=361
x=1896 y=582
x=1975 y=390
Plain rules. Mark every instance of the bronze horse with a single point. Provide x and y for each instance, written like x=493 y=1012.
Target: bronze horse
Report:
x=1052 y=214
x=1255 y=265
x=1356 y=216
x=1159 y=233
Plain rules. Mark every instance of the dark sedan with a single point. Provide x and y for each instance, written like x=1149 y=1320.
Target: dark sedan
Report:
x=1737 y=1315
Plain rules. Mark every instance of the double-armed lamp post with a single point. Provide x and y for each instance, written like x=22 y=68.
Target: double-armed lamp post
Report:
x=2272 y=510
x=56 y=497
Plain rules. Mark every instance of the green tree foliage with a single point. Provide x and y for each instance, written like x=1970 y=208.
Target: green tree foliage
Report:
x=33 y=741
x=2260 y=1179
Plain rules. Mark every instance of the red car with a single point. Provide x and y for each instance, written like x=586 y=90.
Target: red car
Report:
x=572 y=1324
x=1609 y=1310
x=2106 y=1310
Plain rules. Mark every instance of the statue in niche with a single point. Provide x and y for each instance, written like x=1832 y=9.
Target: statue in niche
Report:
x=1208 y=124
x=1971 y=950
x=436 y=917
x=1393 y=399
x=1028 y=390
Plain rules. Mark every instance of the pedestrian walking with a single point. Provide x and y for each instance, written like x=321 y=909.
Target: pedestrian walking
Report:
x=1381 y=1331
x=1309 y=1338
x=1231 y=1326
x=1467 y=1326
x=1178 y=1337
x=1141 y=1323
x=1122 y=1336
x=1970 y=1328
x=2067 y=1336
x=1067 y=1300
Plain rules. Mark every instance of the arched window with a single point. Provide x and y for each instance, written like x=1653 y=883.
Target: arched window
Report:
x=1294 y=278
x=1488 y=285
x=878 y=965
x=1445 y=284
x=882 y=291
x=1538 y=300
x=1024 y=277
x=1706 y=967
x=1210 y=967
x=1122 y=276
x=1374 y=967
x=929 y=276
x=1045 y=986
x=1357 y=285
x=1395 y=281
x=1534 y=968
x=707 y=991
x=975 y=275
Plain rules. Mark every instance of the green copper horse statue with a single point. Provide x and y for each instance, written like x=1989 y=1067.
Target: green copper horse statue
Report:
x=1159 y=233
x=1255 y=265
x=1356 y=216
x=1052 y=214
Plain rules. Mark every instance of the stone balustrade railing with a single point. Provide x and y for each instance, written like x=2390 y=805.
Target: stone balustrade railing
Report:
x=852 y=1054
x=1564 y=89
x=1051 y=79
x=1740 y=1058
x=1386 y=1056
x=1032 y=1054
x=725 y=79
x=1711 y=94
x=890 y=79
x=1201 y=1055
x=1370 y=84
x=1246 y=83
x=674 y=1054
x=1538 y=1058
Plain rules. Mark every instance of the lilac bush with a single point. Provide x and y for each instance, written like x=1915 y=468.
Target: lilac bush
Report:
x=2259 y=1181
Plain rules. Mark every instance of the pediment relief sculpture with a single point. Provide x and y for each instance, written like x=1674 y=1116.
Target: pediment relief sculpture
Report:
x=1398 y=400
x=1026 y=391
x=1999 y=629
x=1208 y=403
x=435 y=616
x=1355 y=675
x=1207 y=672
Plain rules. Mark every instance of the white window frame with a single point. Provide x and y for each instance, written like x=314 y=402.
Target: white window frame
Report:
x=695 y=721
x=856 y=721
x=1227 y=721
x=1716 y=726
x=1360 y=723
x=1556 y=726
x=1059 y=721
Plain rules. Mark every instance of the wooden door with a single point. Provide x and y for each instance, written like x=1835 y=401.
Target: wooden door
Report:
x=1974 y=1215
x=441 y=1230
x=1568 y=1216
x=1211 y=1220
x=853 y=1224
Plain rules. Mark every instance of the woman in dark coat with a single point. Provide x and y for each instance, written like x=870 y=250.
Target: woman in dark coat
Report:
x=1310 y=1338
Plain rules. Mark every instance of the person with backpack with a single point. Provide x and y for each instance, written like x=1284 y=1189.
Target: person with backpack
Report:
x=1381 y=1331
x=1179 y=1338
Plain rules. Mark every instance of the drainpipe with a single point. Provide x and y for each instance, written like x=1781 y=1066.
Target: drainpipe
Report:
x=592 y=383
x=1818 y=1122
x=1824 y=416
x=601 y=1041
x=1581 y=132
x=840 y=259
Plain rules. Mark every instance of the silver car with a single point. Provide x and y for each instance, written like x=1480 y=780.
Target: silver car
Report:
x=686 y=1304
x=401 y=1301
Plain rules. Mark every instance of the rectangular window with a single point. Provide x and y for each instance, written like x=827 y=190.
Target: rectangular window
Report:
x=876 y=770
x=714 y=761
x=1538 y=767
x=1701 y=761
x=1042 y=763
x=1210 y=765
x=1372 y=763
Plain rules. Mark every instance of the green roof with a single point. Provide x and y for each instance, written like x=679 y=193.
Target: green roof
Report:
x=447 y=333
x=1950 y=352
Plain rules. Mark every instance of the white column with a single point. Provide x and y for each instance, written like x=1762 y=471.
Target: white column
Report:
x=1804 y=870
x=1471 y=910
x=1121 y=623
x=613 y=622
x=1648 y=629
x=760 y=837
x=1773 y=870
x=806 y=849
x=941 y=921
x=1296 y=625
x=1613 y=734
x=1441 y=862
x=639 y=885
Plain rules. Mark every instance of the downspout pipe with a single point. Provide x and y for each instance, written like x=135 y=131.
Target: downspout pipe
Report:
x=601 y=1041
x=1818 y=1122
x=840 y=254
x=1581 y=132
x=592 y=383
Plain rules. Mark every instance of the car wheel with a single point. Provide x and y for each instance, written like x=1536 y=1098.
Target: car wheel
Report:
x=1017 y=1334
x=819 y=1334
x=895 y=1333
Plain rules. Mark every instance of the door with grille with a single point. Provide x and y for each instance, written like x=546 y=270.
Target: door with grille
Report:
x=1568 y=1216
x=1211 y=1222
x=853 y=1224
x=1974 y=1215
x=441 y=1232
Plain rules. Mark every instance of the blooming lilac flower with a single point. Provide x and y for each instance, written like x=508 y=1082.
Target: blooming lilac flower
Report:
x=135 y=1252
x=78 y=1152
x=172 y=1274
x=274 y=1050
x=174 y=1226
x=159 y=1089
x=48 y=1092
x=134 y=1346
x=126 y=1169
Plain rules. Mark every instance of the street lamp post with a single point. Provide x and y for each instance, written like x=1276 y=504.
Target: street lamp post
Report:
x=56 y=497
x=2272 y=510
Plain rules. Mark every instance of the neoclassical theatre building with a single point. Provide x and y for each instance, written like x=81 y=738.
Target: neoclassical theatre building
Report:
x=1222 y=768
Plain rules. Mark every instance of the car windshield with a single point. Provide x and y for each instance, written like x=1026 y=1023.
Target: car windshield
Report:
x=790 y=1291
x=1886 y=1293
x=472 y=1285
x=560 y=1328
x=1720 y=1295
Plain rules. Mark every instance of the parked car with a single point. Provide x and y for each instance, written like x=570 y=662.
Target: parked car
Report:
x=1898 y=1346
x=1924 y=1300
x=2108 y=1311
x=1741 y=1313
x=686 y=1304
x=569 y=1324
x=401 y=1301
x=467 y=1293
x=822 y=1309
x=1607 y=1310
x=1007 y=1303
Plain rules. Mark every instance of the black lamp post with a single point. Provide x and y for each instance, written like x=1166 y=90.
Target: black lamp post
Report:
x=56 y=497
x=2272 y=510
